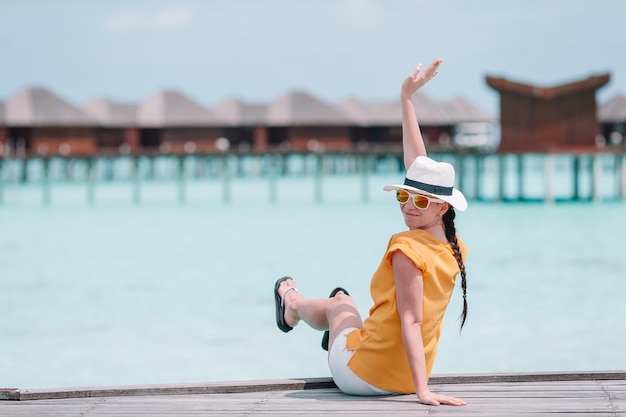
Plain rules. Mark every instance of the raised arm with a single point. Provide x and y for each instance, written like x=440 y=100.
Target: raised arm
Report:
x=409 y=294
x=412 y=141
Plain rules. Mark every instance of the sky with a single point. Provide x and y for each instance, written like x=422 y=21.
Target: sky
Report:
x=259 y=50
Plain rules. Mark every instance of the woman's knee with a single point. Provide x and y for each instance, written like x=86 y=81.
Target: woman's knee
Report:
x=343 y=304
x=343 y=313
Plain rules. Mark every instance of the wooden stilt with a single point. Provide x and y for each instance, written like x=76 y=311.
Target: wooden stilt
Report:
x=273 y=174
x=224 y=171
x=520 y=177
x=151 y=168
x=596 y=173
x=181 y=179
x=576 y=178
x=109 y=169
x=549 y=196
x=319 y=167
x=364 y=161
x=45 y=181
x=501 y=177
x=136 y=182
x=621 y=176
x=23 y=172
x=90 y=181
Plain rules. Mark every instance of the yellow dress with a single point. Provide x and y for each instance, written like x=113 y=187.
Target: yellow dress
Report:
x=379 y=357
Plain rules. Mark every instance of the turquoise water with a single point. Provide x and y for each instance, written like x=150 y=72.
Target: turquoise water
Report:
x=158 y=292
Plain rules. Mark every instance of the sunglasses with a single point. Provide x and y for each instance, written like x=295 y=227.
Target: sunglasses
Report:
x=420 y=201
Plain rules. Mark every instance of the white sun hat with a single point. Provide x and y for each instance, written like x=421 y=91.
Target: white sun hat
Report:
x=427 y=176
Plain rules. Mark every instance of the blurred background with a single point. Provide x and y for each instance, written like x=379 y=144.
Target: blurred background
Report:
x=162 y=163
x=335 y=49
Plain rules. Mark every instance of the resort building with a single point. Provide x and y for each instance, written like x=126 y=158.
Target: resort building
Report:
x=538 y=119
x=36 y=122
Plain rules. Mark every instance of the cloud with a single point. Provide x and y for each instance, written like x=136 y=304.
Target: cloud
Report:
x=163 y=20
x=172 y=19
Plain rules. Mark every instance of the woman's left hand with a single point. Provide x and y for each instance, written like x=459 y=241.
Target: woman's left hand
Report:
x=417 y=79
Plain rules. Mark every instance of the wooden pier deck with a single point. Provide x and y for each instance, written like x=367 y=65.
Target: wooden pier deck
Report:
x=595 y=394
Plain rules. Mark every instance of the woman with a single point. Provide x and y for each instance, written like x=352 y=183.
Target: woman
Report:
x=393 y=351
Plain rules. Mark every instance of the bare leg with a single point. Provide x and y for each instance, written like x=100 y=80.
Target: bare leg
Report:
x=334 y=314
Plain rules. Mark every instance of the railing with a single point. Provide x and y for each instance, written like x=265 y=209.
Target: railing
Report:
x=547 y=177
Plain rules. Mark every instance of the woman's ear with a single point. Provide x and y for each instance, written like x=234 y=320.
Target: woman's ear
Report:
x=444 y=208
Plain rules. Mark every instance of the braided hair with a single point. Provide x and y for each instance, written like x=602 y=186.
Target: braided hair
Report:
x=450 y=230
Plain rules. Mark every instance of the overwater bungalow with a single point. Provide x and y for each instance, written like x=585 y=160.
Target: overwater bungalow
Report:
x=36 y=122
x=548 y=119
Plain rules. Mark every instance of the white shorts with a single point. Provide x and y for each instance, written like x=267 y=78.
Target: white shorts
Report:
x=345 y=379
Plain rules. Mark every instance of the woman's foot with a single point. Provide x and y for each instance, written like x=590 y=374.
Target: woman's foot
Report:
x=289 y=294
x=285 y=296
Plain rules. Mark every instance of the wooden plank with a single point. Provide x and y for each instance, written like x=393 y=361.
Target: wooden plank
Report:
x=9 y=394
x=289 y=384
x=541 y=397
x=301 y=403
x=527 y=377
x=168 y=389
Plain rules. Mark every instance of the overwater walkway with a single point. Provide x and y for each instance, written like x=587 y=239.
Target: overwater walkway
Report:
x=492 y=177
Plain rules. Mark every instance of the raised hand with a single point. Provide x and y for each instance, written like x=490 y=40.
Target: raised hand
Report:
x=412 y=140
x=417 y=79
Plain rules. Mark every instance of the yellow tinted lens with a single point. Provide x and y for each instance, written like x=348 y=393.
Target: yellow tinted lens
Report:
x=402 y=196
x=420 y=201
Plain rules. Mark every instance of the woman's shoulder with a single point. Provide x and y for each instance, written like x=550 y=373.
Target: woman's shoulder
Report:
x=416 y=238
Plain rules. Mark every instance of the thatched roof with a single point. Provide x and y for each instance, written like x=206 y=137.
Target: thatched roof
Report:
x=110 y=113
x=234 y=112
x=40 y=107
x=37 y=107
x=300 y=108
x=613 y=111
x=548 y=93
x=172 y=109
x=370 y=114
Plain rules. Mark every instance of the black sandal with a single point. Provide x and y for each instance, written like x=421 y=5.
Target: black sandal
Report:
x=280 y=305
